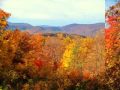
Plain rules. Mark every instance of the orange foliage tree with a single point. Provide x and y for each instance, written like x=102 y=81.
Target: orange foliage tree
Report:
x=19 y=52
x=3 y=17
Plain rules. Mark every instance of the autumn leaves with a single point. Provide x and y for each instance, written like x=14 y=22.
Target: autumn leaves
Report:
x=32 y=58
x=3 y=17
x=112 y=40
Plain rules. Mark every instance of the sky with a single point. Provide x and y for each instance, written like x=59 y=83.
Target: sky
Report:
x=55 y=12
x=110 y=3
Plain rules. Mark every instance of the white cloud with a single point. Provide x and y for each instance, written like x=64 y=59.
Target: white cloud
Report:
x=55 y=9
x=1 y=1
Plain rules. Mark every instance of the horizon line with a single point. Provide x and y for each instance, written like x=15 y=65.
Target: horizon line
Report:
x=55 y=25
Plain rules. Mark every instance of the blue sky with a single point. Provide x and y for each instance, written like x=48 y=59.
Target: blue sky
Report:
x=55 y=12
x=110 y=3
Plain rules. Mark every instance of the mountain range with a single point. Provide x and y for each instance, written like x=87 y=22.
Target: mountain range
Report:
x=79 y=29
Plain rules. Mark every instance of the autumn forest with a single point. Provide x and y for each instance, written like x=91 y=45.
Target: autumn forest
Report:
x=61 y=61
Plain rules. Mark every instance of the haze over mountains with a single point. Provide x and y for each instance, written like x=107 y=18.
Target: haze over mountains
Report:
x=80 y=29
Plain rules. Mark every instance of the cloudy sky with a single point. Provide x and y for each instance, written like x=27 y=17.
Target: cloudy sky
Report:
x=54 y=12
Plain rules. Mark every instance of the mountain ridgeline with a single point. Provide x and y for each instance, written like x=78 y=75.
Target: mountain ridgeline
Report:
x=79 y=29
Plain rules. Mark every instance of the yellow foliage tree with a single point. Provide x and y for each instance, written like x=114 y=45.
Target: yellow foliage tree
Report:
x=68 y=55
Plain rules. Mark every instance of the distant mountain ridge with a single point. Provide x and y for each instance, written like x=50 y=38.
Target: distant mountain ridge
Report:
x=80 y=29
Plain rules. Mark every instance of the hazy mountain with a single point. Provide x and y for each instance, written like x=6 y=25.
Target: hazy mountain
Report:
x=83 y=29
x=80 y=29
x=21 y=26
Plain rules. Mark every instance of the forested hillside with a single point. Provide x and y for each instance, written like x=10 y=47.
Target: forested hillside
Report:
x=45 y=61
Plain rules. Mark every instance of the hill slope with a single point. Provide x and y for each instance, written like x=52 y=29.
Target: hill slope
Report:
x=80 y=29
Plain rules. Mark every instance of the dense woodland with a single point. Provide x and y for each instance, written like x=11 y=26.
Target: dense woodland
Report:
x=60 y=61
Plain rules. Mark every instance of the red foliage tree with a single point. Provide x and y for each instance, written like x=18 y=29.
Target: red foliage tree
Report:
x=112 y=40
